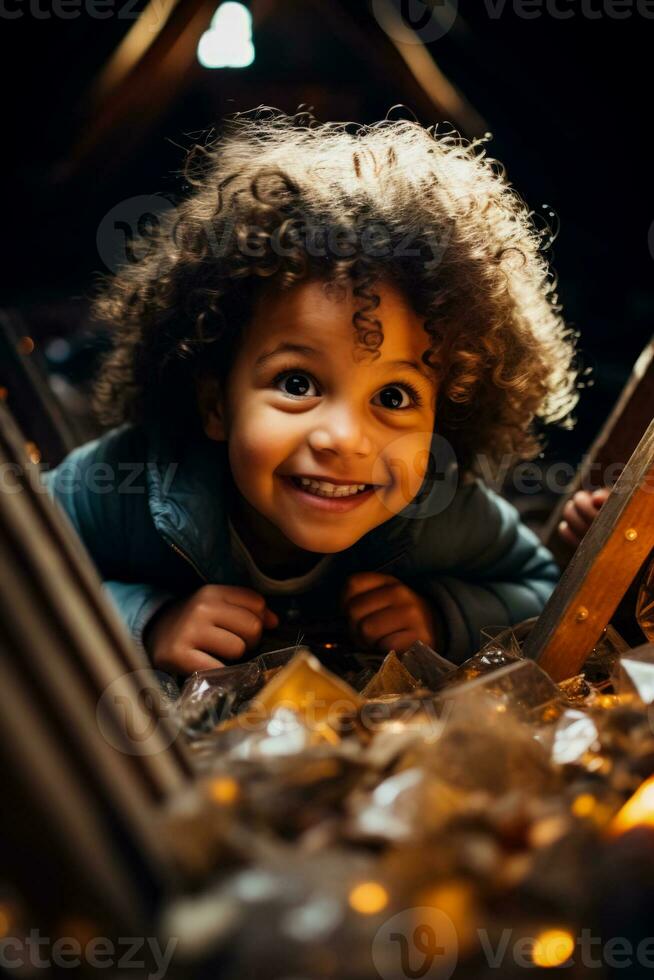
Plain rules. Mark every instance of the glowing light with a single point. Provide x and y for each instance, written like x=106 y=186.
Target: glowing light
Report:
x=584 y=805
x=26 y=345
x=553 y=947
x=637 y=811
x=6 y=920
x=223 y=790
x=83 y=930
x=457 y=901
x=4 y=393
x=33 y=452
x=368 y=898
x=135 y=44
x=228 y=42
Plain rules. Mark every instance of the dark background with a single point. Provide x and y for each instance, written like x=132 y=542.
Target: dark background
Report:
x=567 y=102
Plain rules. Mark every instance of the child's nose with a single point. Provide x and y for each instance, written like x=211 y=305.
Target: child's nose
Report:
x=341 y=432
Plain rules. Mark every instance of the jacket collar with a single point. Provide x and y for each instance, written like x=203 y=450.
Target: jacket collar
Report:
x=189 y=491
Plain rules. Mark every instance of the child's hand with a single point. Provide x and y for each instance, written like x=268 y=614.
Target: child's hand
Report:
x=384 y=614
x=579 y=513
x=217 y=621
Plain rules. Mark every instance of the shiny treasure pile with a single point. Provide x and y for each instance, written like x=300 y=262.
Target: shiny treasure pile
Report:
x=356 y=822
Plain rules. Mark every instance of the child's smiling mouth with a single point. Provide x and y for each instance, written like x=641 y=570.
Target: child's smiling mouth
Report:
x=329 y=494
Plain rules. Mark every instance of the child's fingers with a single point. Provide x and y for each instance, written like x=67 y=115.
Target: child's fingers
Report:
x=567 y=534
x=575 y=517
x=601 y=496
x=368 y=603
x=399 y=642
x=236 y=620
x=222 y=641
x=198 y=660
x=364 y=582
x=270 y=619
x=236 y=595
x=188 y=662
x=583 y=503
x=217 y=596
x=375 y=626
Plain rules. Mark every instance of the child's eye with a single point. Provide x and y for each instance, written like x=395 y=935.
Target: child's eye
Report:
x=296 y=384
x=399 y=396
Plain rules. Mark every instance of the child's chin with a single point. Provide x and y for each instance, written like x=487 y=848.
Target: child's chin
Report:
x=326 y=544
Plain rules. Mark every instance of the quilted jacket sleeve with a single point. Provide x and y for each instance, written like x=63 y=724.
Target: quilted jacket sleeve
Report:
x=491 y=571
x=86 y=487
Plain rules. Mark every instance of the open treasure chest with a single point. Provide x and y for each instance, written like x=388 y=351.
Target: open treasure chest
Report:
x=320 y=812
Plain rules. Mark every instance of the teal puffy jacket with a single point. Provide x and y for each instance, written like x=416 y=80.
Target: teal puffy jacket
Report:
x=153 y=517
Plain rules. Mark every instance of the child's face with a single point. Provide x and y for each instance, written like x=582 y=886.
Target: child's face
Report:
x=320 y=413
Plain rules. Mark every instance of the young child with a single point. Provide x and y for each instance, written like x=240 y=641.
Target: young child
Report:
x=333 y=317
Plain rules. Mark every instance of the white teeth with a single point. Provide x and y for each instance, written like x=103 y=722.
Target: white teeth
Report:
x=325 y=489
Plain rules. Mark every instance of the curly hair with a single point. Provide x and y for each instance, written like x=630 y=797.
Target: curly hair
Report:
x=395 y=201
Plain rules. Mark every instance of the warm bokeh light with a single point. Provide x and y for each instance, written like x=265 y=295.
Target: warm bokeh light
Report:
x=637 y=811
x=83 y=930
x=223 y=790
x=368 y=898
x=26 y=345
x=584 y=805
x=456 y=899
x=6 y=919
x=33 y=452
x=553 y=947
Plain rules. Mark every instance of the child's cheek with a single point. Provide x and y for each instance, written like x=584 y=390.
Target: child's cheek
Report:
x=404 y=464
x=260 y=444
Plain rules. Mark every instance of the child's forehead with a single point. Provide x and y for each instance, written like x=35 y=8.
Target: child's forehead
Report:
x=320 y=315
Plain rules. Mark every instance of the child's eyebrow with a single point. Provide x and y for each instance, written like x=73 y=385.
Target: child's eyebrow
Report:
x=288 y=347
x=285 y=347
x=414 y=365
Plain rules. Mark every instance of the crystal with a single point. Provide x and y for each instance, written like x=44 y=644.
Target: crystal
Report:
x=575 y=690
x=575 y=734
x=490 y=658
x=484 y=746
x=284 y=733
x=645 y=605
x=407 y=806
x=308 y=687
x=521 y=687
x=211 y=696
x=601 y=662
x=634 y=674
x=509 y=638
x=427 y=666
x=274 y=659
x=391 y=678
x=400 y=715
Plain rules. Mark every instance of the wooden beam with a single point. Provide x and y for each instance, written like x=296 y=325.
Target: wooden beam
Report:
x=602 y=569
x=614 y=444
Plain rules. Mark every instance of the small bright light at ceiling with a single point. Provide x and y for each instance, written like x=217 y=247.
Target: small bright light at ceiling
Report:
x=228 y=42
